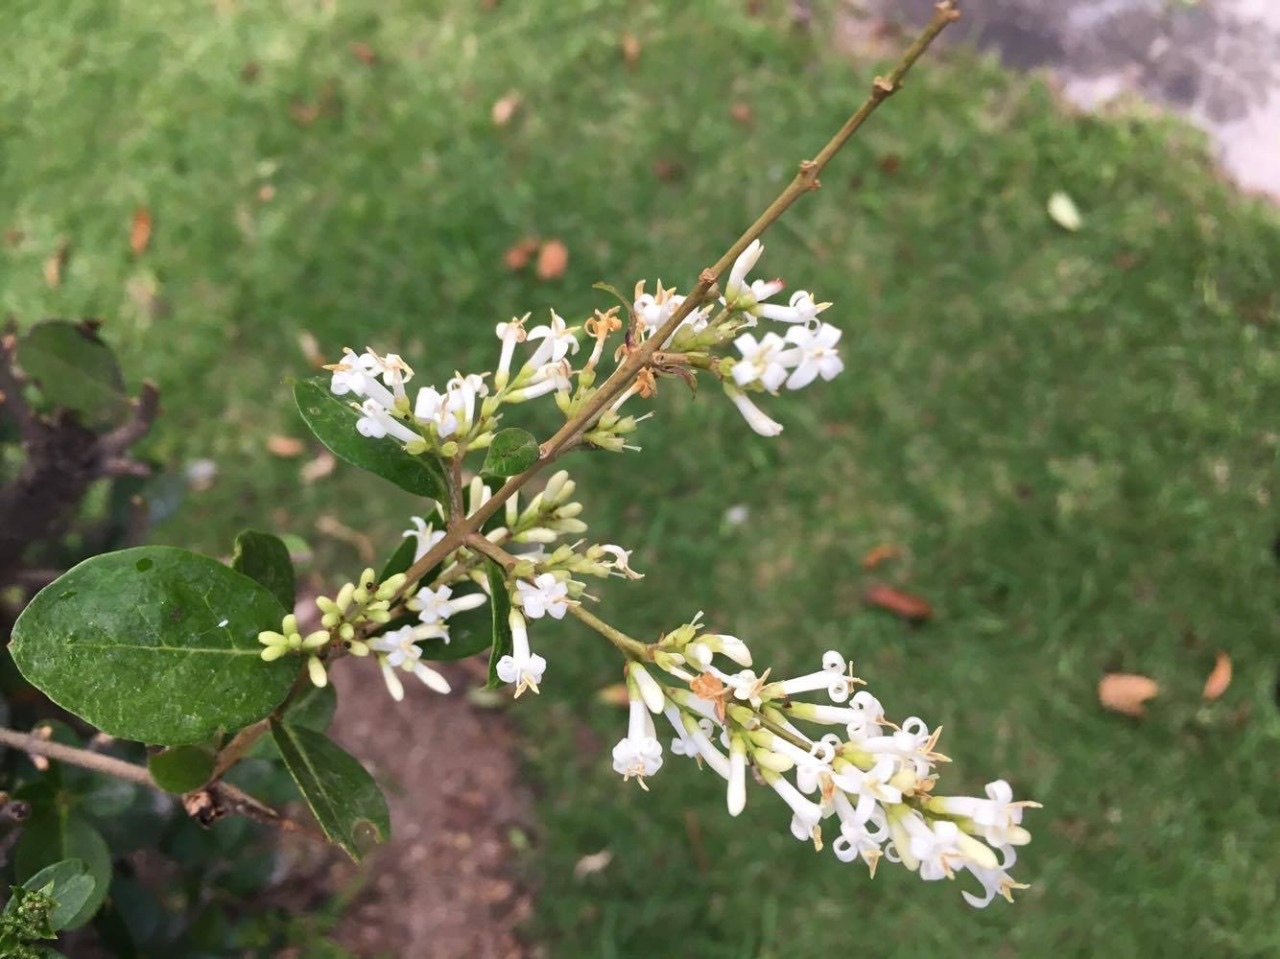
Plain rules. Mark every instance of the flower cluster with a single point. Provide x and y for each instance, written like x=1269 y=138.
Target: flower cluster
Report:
x=876 y=780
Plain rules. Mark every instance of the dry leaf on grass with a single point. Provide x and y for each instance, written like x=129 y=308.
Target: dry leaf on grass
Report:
x=630 y=48
x=1219 y=679
x=553 y=260
x=140 y=231
x=614 y=694
x=909 y=607
x=364 y=53
x=742 y=113
x=504 y=108
x=591 y=864
x=318 y=468
x=879 y=554
x=519 y=253
x=285 y=446
x=1126 y=692
x=54 y=265
x=1064 y=212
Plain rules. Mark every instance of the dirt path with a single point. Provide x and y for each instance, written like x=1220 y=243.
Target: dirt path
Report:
x=444 y=888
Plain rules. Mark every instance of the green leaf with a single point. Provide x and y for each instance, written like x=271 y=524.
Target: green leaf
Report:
x=346 y=801
x=400 y=560
x=512 y=452
x=180 y=769
x=500 y=607
x=265 y=560
x=70 y=884
x=313 y=708
x=155 y=644
x=334 y=424
x=76 y=370
x=54 y=833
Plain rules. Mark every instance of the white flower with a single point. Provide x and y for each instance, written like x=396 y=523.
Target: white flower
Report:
x=435 y=605
x=545 y=596
x=557 y=341
x=743 y=265
x=762 y=362
x=432 y=407
x=377 y=423
x=510 y=334
x=736 y=799
x=621 y=563
x=871 y=786
x=639 y=754
x=522 y=667
x=646 y=687
x=995 y=881
x=352 y=372
x=426 y=536
x=398 y=650
x=802 y=309
x=815 y=355
x=997 y=817
x=807 y=814
x=460 y=398
x=832 y=678
x=751 y=413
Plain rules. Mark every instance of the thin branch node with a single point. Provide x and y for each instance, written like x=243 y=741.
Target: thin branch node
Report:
x=883 y=86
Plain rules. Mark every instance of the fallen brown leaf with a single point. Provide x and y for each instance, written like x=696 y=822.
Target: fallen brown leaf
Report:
x=630 y=48
x=1219 y=679
x=140 y=231
x=742 y=113
x=909 y=607
x=614 y=694
x=517 y=257
x=592 y=863
x=318 y=468
x=1126 y=692
x=553 y=259
x=54 y=265
x=879 y=554
x=668 y=171
x=286 y=446
x=504 y=108
x=364 y=53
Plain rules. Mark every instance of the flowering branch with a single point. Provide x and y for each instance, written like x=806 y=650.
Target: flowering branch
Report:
x=806 y=180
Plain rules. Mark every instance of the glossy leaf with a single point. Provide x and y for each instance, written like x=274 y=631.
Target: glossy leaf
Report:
x=347 y=803
x=53 y=834
x=76 y=370
x=181 y=769
x=400 y=560
x=265 y=559
x=333 y=422
x=512 y=452
x=70 y=884
x=500 y=613
x=155 y=644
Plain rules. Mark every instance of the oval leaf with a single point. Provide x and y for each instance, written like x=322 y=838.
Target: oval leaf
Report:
x=155 y=644
x=334 y=424
x=512 y=452
x=70 y=884
x=265 y=560
x=53 y=834
x=76 y=371
x=500 y=606
x=346 y=801
x=181 y=768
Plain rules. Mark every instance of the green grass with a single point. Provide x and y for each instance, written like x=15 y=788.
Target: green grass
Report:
x=1072 y=436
